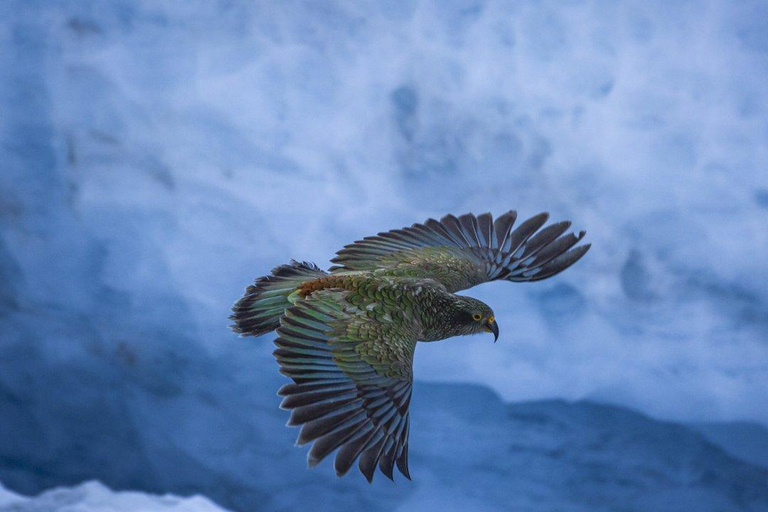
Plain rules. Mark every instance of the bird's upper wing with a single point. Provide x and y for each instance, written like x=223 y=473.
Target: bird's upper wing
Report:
x=352 y=378
x=464 y=251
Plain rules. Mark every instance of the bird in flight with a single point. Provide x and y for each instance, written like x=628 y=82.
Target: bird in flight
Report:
x=346 y=337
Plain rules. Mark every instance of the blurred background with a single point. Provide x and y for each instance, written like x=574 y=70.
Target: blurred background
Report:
x=157 y=156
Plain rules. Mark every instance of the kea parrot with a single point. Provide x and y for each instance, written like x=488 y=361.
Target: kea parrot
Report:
x=346 y=337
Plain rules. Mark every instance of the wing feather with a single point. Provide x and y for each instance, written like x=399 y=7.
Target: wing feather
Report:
x=503 y=227
x=485 y=229
x=461 y=252
x=342 y=401
x=470 y=228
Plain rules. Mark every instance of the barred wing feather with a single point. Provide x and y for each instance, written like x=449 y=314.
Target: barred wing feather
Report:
x=464 y=251
x=342 y=399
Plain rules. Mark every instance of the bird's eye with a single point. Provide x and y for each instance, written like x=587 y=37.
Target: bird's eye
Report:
x=477 y=317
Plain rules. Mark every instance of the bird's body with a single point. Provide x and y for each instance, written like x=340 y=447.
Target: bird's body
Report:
x=422 y=304
x=347 y=337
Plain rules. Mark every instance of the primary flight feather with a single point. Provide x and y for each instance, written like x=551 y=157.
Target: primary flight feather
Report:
x=346 y=337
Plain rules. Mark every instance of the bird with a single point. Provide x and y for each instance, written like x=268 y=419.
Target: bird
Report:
x=346 y=337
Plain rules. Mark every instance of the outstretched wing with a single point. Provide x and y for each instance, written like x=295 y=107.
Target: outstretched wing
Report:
x=464 y=251
x=351 y=386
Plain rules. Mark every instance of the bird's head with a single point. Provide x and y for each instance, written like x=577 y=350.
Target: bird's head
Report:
x=473 y=316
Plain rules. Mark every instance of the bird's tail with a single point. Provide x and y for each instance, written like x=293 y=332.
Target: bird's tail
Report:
x=259 y=310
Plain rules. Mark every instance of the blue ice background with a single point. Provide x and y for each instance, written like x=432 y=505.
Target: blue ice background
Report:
x=156 y=156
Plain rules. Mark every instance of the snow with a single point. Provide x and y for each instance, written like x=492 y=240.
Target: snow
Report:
x=8 y=498
x=94 y=497
x=159 y=155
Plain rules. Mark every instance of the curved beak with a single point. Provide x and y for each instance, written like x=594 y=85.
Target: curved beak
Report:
x=493 y=327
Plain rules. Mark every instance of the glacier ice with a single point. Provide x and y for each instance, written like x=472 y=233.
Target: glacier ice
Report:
x=169 y=154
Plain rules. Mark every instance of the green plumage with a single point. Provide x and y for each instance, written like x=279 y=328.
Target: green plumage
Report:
x=347 y=338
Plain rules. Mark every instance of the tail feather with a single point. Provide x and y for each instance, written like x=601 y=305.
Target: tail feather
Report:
x=259 y=310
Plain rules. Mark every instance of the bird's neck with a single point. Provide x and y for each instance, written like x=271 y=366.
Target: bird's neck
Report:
x=439 y=320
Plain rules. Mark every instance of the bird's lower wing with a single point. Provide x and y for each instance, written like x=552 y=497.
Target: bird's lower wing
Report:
x=351 y=386
x=461 y=252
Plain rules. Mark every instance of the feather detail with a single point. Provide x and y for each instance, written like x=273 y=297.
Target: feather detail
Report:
x=461 y=252
x=338 y=398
